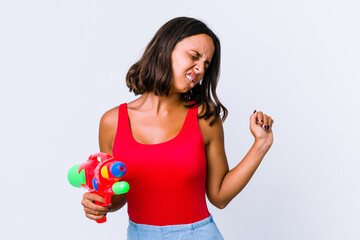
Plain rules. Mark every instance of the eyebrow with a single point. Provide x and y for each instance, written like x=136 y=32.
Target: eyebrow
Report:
x=198 y=55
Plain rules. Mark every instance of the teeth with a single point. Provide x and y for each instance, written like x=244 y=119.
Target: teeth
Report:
x=188 y=77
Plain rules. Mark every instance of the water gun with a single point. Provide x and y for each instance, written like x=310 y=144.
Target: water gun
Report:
x=101 y=175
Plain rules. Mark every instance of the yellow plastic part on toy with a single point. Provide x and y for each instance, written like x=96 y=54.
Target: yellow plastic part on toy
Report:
x=104 y=172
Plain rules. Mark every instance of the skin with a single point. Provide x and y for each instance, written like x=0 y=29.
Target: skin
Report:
x=155 y=119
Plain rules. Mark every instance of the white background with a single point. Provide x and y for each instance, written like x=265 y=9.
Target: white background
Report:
x=63 y=64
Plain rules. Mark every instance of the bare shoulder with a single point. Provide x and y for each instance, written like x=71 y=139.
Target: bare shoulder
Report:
x=110 y=118
x=107 y=129
x=209 y=132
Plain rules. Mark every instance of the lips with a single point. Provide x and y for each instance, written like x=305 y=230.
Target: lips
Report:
x=191 y=77
x=188 y=77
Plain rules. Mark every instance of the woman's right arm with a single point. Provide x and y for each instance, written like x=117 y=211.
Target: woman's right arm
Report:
x=107 y=132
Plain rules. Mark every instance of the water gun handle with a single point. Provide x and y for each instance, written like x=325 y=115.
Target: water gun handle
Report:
x=101 y=220
x=106 y=203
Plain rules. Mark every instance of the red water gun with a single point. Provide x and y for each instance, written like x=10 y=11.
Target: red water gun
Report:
x=101 y=175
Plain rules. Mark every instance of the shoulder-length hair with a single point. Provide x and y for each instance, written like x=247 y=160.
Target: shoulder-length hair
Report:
x=153 y=72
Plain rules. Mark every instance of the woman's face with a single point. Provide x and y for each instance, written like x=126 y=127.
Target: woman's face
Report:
x=190 y=58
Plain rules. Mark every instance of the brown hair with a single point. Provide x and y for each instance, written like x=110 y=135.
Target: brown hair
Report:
x=153 y=72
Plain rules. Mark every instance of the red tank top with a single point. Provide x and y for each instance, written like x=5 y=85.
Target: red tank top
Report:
x=167 y=180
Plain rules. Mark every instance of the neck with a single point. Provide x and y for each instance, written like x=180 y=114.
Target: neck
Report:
x=160 y=104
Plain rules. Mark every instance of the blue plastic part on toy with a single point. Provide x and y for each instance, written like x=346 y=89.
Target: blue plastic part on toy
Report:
x=95 y=184
x=118 y=169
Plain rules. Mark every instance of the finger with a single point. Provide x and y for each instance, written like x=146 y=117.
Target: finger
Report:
x=268 y=125
x=253 y=117
x=94 y=197
x=260 y=118
x=92 y=205
x=95 y=212
x=271 y=123
x=265 y=117
x=95 y=217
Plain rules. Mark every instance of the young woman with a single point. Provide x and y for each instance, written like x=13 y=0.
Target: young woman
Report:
x=171 y=138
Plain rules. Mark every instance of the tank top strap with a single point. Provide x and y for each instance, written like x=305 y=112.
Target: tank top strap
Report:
x=122 y=127
x=192 y=127
x=122 y=113
x=193 y=113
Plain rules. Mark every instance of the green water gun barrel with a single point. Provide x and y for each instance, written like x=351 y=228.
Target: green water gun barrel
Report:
x=120 y=187
x=75 y=178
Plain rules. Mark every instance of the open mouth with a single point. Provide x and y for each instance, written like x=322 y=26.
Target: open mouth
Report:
x=188 y=77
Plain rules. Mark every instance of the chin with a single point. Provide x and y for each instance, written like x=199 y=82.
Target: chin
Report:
x=187 y=90
x=183 y=90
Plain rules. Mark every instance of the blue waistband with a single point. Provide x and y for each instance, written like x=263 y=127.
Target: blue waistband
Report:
x=180 y=227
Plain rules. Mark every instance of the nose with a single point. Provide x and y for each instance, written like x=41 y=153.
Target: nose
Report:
x=200 y=68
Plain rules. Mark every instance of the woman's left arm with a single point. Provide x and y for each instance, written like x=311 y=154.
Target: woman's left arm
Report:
x=223 y=185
